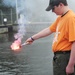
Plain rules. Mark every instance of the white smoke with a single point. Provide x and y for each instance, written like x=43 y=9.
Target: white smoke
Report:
x=71 y=4
x=21 y=27
x=21 y=20
x=9 y=3
x=33 y=11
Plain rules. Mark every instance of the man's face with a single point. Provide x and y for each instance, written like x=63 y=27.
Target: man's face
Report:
x=57 y=10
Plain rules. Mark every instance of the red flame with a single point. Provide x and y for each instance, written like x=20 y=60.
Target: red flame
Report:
x=16 y=45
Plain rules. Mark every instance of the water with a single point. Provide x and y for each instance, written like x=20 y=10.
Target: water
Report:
x=35 y=59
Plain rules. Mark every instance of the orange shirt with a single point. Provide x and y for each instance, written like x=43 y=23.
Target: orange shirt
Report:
x=64 y=28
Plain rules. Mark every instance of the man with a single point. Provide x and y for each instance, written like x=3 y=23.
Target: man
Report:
x=64 y=41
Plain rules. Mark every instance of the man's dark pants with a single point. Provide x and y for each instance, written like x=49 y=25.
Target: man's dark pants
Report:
x=60 y=61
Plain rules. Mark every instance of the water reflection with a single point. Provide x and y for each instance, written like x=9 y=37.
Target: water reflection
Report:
x=32 y=60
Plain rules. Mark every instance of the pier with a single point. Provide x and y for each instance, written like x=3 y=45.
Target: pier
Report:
x=7 y=28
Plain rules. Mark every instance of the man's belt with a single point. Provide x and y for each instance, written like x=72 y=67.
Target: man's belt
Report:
x=62 y=52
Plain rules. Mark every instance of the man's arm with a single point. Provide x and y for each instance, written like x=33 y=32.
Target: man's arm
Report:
x=71 y=63
x=42 y=33
x=45 y=32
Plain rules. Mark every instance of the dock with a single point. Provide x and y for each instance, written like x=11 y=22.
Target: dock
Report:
x=7 y=28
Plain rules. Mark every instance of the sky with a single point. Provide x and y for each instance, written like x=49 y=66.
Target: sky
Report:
x=34 y=10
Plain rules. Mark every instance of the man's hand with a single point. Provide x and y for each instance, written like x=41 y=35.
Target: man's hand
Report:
x=69 y=69
x=29 y=41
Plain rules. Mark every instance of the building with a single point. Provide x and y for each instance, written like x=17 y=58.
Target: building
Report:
x=8 y=13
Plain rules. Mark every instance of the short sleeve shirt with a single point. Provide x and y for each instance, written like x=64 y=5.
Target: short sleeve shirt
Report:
x=64 y=28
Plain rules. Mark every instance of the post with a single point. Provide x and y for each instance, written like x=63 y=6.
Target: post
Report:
x=11 y=16
x=16 y=11
x=1 y=17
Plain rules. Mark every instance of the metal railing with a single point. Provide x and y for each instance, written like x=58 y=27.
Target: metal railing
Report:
x=11 y=18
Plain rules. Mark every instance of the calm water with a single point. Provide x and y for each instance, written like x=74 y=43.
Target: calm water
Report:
x=35 y=59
